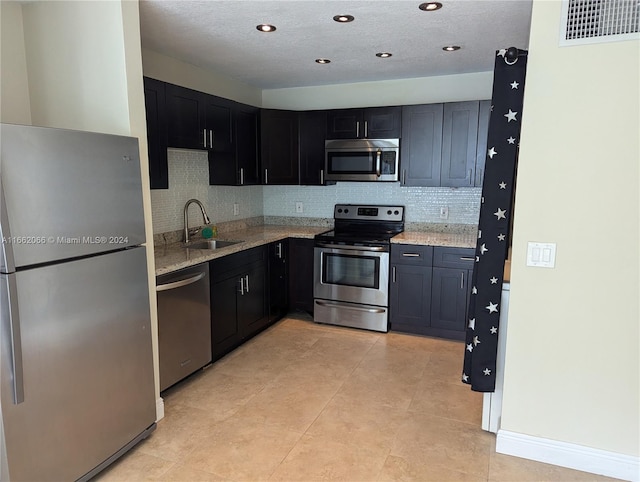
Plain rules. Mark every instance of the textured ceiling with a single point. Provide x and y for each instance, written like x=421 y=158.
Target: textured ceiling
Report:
x=221 y=36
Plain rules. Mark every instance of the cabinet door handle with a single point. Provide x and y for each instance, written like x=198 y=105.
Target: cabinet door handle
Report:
x=393 y=274
x=246 y=282
x=470 y=177
x=322 y=177
x=211 y=138
x=404 y=177
x=266 y=176
x=366 y=129
x=242 y=176
x=204 y=137
x=461 y=281
x=241 y=286
x=357 y=129
x=478 y=177
x=411 y=255
x=279 y=250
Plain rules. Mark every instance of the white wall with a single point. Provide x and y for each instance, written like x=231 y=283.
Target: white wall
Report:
x=75 y=63
x=15 y=107
x=572 y=365
x=426 y=90
x=174 y=71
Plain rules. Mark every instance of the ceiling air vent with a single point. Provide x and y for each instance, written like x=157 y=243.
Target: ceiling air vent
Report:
x=594 y=21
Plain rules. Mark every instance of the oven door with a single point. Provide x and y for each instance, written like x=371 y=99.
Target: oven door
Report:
x=353 y=274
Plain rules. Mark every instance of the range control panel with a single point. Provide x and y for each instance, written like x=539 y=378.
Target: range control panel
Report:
x=368 y=212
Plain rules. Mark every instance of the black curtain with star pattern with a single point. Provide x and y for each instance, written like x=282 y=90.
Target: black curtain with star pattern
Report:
x=483 y=327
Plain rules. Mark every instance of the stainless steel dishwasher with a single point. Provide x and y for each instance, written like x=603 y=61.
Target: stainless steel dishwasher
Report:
x=184 y=323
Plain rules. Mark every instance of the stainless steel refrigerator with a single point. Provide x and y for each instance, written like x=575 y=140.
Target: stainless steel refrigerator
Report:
x=76 y=369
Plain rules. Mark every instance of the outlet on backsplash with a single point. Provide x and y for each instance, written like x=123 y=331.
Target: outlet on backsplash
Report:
x=444 y=212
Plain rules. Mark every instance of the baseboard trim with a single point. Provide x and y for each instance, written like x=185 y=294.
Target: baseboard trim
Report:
x=568 y=455
x=159 y=409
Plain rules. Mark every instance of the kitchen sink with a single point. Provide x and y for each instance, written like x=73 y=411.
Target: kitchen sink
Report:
x=210 y=244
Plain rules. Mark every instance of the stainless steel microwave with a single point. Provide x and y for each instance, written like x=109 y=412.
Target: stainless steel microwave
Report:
x=362 y=159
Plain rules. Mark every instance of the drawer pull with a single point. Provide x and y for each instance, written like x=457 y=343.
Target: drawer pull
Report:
x=464 y=258
x=411 y=255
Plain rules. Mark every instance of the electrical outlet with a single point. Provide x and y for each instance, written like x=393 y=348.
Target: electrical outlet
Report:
x=299 y=207
x=444 y=212
x=236 y=209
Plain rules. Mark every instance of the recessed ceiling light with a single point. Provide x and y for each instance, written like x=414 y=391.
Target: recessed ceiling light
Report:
x=430 y=6
x=265 y=27
x=343 y=18
x=451 y=48
x=323 y=61
x=383 y=55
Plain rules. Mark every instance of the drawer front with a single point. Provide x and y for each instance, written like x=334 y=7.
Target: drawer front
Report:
x=453 y=257
x=412 y=254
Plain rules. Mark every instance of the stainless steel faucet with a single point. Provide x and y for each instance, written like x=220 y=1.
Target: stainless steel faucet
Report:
x=205 y=218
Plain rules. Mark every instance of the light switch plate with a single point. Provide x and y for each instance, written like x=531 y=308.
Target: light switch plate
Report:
x=541 y=255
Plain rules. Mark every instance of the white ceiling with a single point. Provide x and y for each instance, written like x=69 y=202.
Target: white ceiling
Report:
x=221 y=35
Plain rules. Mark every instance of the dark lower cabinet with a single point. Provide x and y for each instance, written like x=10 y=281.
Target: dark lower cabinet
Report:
x=451 y=286
x=238 y=298
x=278 y=286
x=430 y=290
x=410 y=288
x=301 y=274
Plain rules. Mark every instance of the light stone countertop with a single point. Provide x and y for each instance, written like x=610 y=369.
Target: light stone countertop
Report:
x=172 y=257
x=432 y=238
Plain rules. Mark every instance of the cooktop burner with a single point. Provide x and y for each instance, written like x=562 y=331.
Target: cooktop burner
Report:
x=357 y=224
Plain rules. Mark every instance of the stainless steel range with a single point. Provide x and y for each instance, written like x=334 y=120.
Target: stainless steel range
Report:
x=351 y=266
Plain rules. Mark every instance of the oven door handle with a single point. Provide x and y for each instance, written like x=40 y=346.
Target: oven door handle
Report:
x=352 y=248
x=349 y=307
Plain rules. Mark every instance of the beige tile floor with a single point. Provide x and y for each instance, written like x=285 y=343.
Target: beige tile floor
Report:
x=304 y=402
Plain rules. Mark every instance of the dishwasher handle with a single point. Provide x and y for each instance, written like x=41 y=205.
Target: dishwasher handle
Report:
x=179 y=284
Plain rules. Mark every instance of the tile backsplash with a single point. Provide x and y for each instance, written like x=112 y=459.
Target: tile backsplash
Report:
x=189 y=178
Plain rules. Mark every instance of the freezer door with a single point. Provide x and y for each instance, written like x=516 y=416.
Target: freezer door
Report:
x=67 y=194
x=87 y=370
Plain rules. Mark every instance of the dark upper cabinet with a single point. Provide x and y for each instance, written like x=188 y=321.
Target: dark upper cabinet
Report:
x=312 y=127
x=185 y=118
x=246 y=145
x=421 y=145
x=369 y=123
x=483 y=131
x=218 y=122
x=459 y=144
x=154 y=99
x=444 y=144
x=279 y=146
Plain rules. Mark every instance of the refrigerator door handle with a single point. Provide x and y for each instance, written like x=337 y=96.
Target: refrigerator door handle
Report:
x=15 y=339
x=7 y=262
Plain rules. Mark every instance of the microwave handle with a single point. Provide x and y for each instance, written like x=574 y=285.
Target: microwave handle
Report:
x=378 y=165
